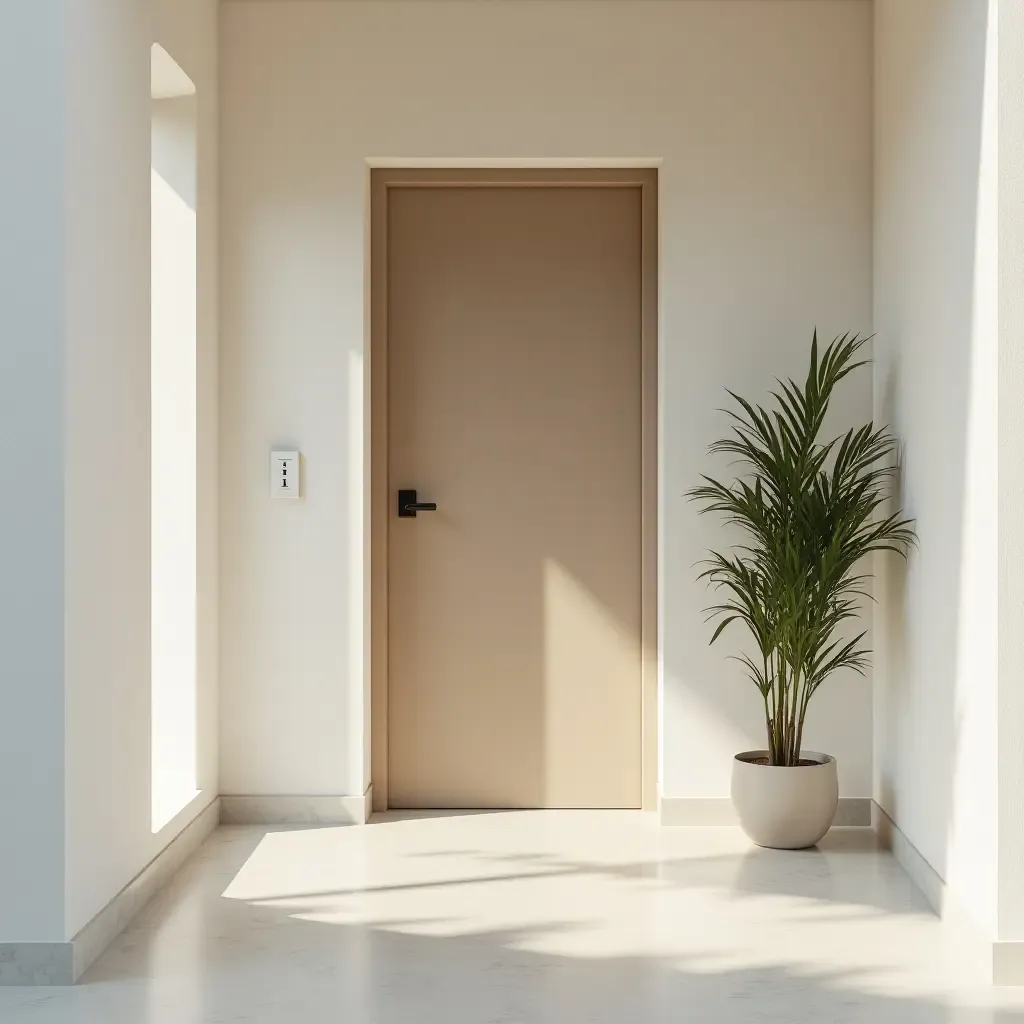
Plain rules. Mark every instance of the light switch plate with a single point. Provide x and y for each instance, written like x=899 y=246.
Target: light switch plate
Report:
x=285 y=474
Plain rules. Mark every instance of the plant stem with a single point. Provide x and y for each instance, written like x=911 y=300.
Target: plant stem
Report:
x=803 y=714
x=782 y=684
x=793 y=753
x=768 y=722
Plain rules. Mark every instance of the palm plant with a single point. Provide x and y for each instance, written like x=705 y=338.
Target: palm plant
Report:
x=810 y=513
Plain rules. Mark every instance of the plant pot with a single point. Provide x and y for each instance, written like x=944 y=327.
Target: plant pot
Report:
x=785 y=808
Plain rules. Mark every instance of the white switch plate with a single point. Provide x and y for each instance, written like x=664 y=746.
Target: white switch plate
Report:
x=285 y=477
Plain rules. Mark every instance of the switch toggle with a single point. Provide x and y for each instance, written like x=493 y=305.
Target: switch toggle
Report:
x=285 y=480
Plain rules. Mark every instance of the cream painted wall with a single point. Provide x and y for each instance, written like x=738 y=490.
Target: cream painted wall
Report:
x=173 y=446
x=106 y=528
x=759 y=114
x=75 y=324
x=74 y=249
x=936 y=381
x=109 y=837
x=188 y=30
x=1011 y=471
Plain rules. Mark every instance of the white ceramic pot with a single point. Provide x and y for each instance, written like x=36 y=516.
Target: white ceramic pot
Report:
x=785 y=808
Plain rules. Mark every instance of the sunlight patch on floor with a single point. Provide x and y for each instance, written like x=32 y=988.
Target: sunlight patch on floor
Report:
x=529 y=918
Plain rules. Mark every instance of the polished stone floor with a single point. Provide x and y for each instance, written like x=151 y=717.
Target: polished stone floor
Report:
x=528 y=918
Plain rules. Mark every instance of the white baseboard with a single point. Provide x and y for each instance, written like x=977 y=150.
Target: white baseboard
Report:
x=921 y=873
x=63 y=963
x=1001 y=963
x=111 y=920
x=296 y=810
x=1008 y=963
x=674 y=810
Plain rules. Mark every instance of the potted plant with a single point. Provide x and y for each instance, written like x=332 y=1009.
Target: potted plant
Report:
x=810 y=513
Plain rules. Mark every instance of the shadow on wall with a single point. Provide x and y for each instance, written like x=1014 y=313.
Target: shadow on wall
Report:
x=930 y=635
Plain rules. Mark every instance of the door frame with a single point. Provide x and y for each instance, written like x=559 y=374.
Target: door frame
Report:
x=382 y=180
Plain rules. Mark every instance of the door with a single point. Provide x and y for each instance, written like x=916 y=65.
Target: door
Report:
x=514 y=609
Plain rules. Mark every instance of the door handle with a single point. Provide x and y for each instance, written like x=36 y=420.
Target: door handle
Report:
x=408 y=506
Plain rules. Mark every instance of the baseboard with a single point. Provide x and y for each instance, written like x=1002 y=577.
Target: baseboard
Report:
x=296 y=810
x=63 y=963
x=112 y=919
x=1008 y=963
x=1000 y=963
x=689 y=811
x=37 y=963
x=921 y=873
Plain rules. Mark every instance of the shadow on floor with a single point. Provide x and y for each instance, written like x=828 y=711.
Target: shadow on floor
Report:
x=316 y=973
x=803 y=874
x=195 y=956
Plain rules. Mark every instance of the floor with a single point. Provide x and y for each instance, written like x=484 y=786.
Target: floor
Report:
x=527 y=918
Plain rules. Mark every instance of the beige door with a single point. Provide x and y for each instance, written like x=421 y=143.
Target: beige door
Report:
x=514 y=355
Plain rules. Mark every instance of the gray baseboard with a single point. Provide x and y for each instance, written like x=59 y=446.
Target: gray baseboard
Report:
x=237 y=809
x=63 y=963
x=37 y=963
x=717 y=812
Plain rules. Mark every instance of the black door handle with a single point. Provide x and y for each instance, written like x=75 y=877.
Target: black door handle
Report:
x=408 y=506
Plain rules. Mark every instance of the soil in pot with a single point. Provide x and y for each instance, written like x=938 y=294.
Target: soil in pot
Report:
x=802 y=763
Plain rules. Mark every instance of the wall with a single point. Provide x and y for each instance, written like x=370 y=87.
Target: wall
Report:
x=936 y=668
x=1011 y=471
x=74 y=743
x=759 y=116
x=109 y=836
x=188 y=30
x=32 y=316
x=106 y=533
x=173 y=445
x=75 y=325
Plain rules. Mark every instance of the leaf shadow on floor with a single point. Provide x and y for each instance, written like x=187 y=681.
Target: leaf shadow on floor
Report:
x=821 y=874
x=289 y=958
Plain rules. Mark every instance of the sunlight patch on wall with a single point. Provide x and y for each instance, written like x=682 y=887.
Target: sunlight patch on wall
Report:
x=174 y=439
x=591 y=686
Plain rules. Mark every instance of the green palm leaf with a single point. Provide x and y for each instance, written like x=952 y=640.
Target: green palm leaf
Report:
x=811 y=513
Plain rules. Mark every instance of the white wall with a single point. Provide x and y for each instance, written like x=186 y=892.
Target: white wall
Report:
x=74 y=599
x=173 y=447
x=759 y=114
x=936 y=668
x=188 y=30
x=1011 y=471
x=109 y=837
x=32 y=317
x=106 y=360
